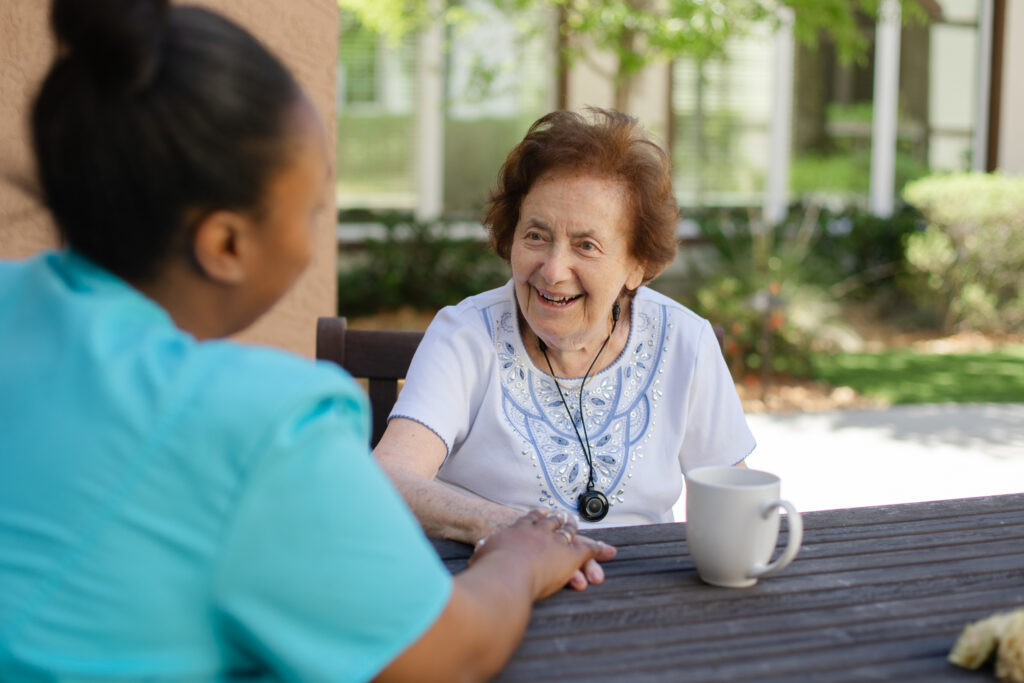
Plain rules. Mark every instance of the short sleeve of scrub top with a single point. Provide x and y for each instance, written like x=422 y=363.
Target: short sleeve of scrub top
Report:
x=326 y=573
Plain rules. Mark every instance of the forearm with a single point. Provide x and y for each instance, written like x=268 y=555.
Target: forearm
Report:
x=447 y=513
x=479 y=629
x=491 y=600
x=500 y=592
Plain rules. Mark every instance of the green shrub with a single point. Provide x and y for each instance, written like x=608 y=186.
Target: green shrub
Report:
x=861 y=256
x=778 y=291
x=967 y=264
x=854 y=252
x=766 y=287
x=416 y=265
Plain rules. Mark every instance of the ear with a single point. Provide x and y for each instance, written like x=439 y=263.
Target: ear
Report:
x=636 y=276
x=220 y=244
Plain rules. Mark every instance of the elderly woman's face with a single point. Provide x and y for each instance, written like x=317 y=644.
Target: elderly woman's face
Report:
x=571 y=257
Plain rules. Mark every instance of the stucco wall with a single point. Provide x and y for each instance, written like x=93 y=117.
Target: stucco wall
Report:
x=25 y=52
x=303 y=32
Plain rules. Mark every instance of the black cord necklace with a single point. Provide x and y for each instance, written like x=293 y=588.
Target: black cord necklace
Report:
x=592 y=505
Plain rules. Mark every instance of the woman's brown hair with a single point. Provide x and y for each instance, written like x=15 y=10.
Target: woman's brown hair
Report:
x=608 y=144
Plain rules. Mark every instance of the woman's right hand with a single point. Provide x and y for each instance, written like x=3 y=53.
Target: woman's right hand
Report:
x=549 y=543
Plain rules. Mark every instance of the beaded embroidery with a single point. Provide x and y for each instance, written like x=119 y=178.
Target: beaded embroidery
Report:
x=619 y=404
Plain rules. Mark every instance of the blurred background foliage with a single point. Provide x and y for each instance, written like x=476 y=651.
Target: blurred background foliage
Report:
x=951 y=256
x=413 y=265
x=788 y=295
x=911 y=376
x=966 y=265
x=476 y=144
x=778 y=290
x=643 y=33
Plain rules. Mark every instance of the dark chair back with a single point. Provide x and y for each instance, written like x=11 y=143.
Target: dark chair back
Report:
x=720 y=336
x=380 y=356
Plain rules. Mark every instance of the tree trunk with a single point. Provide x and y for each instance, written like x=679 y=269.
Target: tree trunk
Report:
x=623 y=87
x=810 y=131
x=562 y=68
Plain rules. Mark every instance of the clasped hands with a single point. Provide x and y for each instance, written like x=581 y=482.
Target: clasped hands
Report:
x=565 y=558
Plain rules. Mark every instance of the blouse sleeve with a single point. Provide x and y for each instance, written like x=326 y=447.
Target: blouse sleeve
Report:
x=326 y=575
x=445 y=383
x=716 y=429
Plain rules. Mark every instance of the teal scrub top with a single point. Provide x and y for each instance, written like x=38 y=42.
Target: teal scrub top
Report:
x=188 y=510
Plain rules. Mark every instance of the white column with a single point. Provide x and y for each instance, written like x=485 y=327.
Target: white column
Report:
x=983 y=89
x=430 y=120
x=776 y=190
x=886 y=104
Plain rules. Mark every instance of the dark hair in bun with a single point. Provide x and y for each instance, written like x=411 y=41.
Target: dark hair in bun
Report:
x=118 y=41
x=153 y=115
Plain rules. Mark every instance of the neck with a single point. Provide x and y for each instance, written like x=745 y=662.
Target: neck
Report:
x=574 y=362
x=196 y=305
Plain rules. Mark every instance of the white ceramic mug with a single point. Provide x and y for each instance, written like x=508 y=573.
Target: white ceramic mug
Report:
x=732 y=524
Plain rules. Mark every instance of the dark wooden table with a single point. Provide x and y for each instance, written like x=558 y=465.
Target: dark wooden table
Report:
x=877 y=593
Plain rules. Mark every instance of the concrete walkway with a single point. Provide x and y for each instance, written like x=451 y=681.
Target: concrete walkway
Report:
x=903 y=454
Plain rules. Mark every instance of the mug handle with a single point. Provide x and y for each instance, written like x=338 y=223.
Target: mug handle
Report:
x=796 y=536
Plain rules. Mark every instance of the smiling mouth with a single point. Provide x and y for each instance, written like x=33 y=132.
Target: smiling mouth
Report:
x=558 y=301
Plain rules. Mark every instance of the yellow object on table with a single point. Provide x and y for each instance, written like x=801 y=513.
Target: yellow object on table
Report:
x=1002 y=634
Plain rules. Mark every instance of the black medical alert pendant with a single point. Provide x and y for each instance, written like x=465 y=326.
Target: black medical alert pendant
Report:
x=593 y=506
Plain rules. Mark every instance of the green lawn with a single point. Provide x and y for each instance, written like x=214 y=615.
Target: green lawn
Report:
x=904 y=376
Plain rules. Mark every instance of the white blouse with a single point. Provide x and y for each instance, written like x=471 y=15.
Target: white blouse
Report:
x=666 y=405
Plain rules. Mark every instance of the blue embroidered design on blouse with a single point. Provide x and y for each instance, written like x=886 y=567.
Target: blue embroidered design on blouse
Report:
x=618 y=404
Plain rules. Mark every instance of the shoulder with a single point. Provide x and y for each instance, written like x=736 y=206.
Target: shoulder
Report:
x=266 y=379
x=476 y=309
x=250 y=399
x=38 y=271
x=493 y=297
x=10 y=270
x=450 y=372
x=681 y=321
x=473 y=318
x=14 y=277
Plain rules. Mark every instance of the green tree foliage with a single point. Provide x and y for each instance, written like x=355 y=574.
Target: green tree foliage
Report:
x=642 y=32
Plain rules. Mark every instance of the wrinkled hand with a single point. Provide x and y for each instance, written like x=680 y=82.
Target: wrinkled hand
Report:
x=557 y=554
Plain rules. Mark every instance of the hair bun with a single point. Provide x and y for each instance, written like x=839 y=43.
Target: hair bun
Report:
x=117 y=40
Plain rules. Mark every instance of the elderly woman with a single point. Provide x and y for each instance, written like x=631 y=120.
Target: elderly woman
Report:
x=573 y=387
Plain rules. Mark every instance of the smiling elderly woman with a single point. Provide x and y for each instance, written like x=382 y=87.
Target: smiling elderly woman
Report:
x=573 y=387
